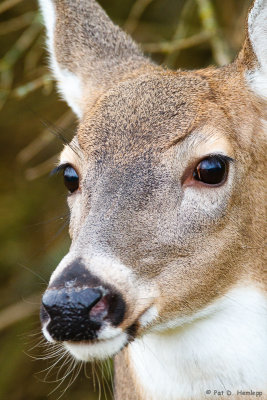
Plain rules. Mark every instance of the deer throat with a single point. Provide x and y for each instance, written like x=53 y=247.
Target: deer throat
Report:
x=207 y=354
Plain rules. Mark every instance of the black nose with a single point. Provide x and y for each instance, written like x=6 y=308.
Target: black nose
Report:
x=69 y=309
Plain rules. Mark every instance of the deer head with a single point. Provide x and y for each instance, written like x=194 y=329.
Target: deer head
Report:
x=165 y=179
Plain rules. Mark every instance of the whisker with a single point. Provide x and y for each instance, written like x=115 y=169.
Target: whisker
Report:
x=75 y=376
x=67 y=359
x=57 y=234
x=58 y=133
x=51 y=367
x=59 y=218
x=68 y=372
x=98 y=381
x=34 y=273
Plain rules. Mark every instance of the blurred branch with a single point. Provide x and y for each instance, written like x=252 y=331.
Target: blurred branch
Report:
x=20 y=46
x=32 y=58
x=18 y=311
x=135 y=14
x=24 y=90
x=17 y=23
x=13 y=55
x=221 y=53
x=6 y=5
x=169 y=47
x=44 y=139
x=180 y=33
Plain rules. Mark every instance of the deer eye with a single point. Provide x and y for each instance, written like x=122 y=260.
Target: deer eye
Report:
x=71 y=178
x=211 y=170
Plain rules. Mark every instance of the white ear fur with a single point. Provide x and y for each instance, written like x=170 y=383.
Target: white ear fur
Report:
x=257 y=31
x=69 y=84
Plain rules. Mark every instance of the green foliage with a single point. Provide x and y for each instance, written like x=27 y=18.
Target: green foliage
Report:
x=33 y=232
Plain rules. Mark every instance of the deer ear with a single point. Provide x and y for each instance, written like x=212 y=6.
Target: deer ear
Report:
x=88 y=52
x=254 y=52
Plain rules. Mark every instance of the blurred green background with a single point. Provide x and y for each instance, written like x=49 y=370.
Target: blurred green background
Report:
x=34 y=234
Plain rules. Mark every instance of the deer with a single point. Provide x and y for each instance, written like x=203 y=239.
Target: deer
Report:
x=166 y=190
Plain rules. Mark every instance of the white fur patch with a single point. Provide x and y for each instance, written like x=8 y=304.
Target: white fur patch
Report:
x=98 y=350
x=46 y=334
x=69 y=84
x=223 y=347
x=148 y=317
x=257 y=29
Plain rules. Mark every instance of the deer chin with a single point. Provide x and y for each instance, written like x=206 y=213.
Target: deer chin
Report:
x=98 y=349
x=109 y=342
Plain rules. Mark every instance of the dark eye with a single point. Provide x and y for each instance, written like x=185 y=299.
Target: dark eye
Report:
x=212 y=170
x=71 y=179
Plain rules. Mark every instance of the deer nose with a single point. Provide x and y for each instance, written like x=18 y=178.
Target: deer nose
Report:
x=74 y=314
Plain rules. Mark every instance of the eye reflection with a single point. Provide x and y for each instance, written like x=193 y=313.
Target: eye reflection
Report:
x=71 y=179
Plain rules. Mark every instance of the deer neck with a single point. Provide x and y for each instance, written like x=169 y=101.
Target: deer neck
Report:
x=212 y=351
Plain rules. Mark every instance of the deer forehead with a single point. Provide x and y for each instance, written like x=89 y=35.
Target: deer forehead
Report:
x=149 y=112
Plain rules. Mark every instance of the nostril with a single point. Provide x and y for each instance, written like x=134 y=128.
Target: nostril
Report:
x=100 y=310
x=110 y=307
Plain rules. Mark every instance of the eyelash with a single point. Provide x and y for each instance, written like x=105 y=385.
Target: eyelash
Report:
x=70 y=175
x=60 y=168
